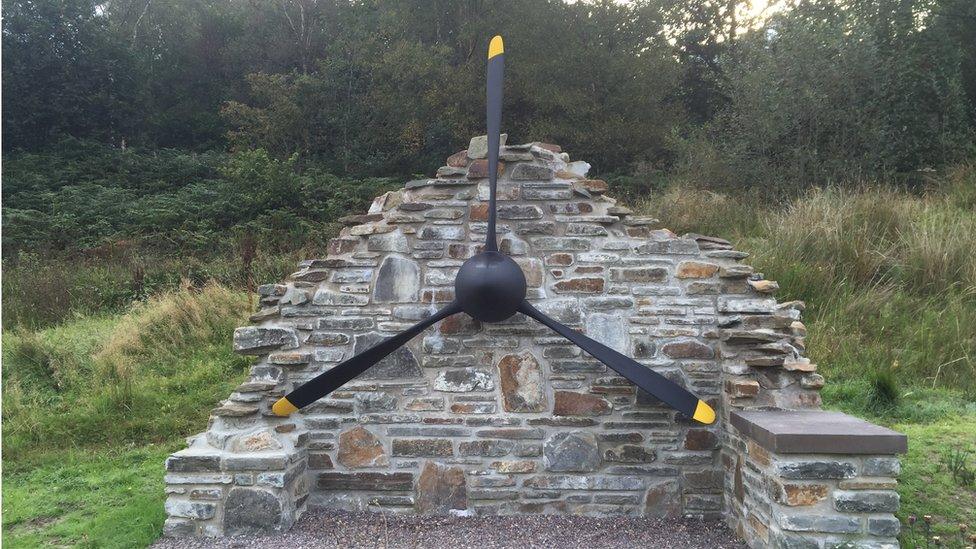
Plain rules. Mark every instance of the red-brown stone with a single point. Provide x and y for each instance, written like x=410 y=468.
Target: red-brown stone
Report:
x=458 y=159
x=478 y=212
x=700 y=439
x=361 y=448
x=523 y=389
x=440 y=489
x=586 y=285
x=687 y=349
x=580 y=404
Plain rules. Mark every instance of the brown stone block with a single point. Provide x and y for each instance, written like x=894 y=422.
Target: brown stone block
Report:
x=458 y=159
x=423 y=447
x=696 y=269
x=595 y=186
x=523 y=388
x=586 y=285
x=580 y=404
x=478 y=212
x=440 y=489
x=700 y=439
x=800 y=495
x=687 y=349
x=479 y=169
x=360 y=448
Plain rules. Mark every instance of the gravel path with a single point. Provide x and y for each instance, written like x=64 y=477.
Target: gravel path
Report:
x=342 y=530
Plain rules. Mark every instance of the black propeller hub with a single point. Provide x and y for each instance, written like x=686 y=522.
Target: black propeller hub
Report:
x=490 y=287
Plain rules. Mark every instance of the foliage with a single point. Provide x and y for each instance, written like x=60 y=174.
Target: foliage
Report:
x=833 y=91
x=102 y=200
x=821 y=89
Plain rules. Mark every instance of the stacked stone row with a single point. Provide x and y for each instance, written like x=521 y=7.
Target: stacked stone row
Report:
x=501 y=418
x=812 y=501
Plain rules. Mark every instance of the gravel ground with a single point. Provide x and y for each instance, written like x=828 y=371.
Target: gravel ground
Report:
x=342 y=530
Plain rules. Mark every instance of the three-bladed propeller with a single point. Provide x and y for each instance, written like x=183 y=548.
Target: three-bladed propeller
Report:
x=491 y=287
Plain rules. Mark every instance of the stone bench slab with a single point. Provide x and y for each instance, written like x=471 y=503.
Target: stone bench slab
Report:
x=817 y=432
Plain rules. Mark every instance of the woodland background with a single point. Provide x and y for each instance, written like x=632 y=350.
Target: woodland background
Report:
x=162 y=157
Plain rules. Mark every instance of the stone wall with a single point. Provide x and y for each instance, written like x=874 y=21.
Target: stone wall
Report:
x=501 y=418
x=832 y=484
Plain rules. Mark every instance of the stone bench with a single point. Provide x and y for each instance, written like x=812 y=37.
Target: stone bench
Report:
x=812 y=479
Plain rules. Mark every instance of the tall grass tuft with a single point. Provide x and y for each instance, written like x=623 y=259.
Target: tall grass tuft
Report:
x=144 y=376
x=889 y=276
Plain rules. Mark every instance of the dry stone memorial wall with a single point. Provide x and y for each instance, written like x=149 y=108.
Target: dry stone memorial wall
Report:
x=509 y=417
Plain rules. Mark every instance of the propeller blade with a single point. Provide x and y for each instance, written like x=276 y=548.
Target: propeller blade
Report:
x=329 y=381
x=496 y=73
x=645 y=378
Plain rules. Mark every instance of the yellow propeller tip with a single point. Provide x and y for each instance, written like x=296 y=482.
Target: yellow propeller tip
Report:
x=704 y=413
x=283 y=407
x=496 y=47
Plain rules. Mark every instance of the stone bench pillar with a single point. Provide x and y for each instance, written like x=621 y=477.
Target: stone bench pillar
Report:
x=812 y=479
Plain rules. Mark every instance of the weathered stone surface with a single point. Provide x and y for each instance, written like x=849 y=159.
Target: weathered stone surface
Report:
x=522 y=384
x=250 y=511
x=256 y=441
x=519 y=211
x=687 y=349
x=398 y=281
x=463 y=380
x=865 y=501
x=700 y=439
x=887 y=527
x=478 y=147
x=186 y=462
x=642 y=275
x=608 y=329
x=373 y=481
x=582 y=285
x=881 y=467
x=695 y=269
x=574 y=451
x=423 y=447
x=359 y=448
x=190 y=509
x=440 y=489
x=663 y=500
x=629 y=453
x=375 y=402
x=394 y=241
x=580 y=404
x=399 y=364
x=530 y=172
x=796 y=495
x=818 y=523
x=258 y=340
x=816 y=470
x=489 y=448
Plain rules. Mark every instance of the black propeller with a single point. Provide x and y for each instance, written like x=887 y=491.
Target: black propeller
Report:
x=491 y=287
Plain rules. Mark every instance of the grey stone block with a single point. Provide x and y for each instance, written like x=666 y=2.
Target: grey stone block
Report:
x=866 y=501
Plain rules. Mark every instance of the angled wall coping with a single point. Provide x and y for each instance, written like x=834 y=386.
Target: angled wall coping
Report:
x=817 y=432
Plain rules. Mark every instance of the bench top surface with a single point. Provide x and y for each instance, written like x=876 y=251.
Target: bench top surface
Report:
x=817 y=432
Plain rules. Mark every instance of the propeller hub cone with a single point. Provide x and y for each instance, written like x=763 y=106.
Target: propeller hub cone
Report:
x=490 y=287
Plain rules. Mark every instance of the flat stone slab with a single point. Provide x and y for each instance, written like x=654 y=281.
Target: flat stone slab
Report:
x=367 y=530
x=817 y=432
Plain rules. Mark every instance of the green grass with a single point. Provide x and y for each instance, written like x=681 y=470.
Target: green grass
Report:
x=926 y=488
x=104 y=497
x=92 y=407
